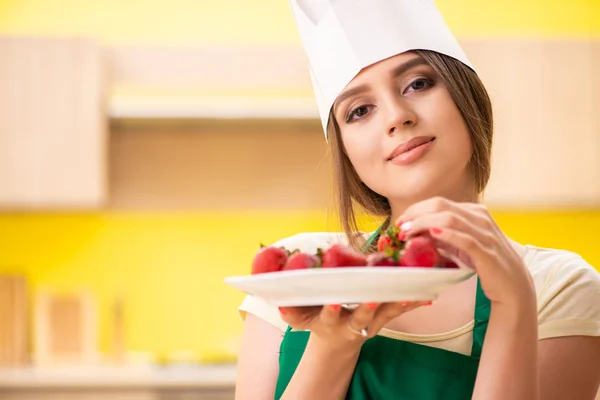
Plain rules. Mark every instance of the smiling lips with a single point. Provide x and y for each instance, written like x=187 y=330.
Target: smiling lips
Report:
x=412 y=150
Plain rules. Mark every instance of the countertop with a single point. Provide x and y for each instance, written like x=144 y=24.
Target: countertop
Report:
x=207 y=376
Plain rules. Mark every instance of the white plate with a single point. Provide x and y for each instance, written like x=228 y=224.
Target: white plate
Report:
x=349 y=285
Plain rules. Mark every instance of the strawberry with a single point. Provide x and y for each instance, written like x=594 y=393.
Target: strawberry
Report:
x=299 y=260
x=269 y=259
x=383 y=243
x=390 y=244
x=390 y=240
x=381 y=260
x=420 y=252
x=339 y=255
x=447 y=263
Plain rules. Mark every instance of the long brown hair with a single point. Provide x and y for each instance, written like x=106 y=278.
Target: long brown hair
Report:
x=473 y=102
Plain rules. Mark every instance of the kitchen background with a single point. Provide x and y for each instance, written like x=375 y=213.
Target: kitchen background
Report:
x=146 y=148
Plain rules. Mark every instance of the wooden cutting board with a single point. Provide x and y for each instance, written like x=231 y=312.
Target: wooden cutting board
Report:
x=14 y=349
x=65 y=329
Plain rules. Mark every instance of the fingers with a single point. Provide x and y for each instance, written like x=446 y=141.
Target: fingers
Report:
x=470 y=223
x=374 y=317
x=442 y=219
x=299 y=317
x=389 y=311
x=332 y=318
x=432 y=205
x=363 y=315
x=450 y=214
x=330 y=314
x=477 y=252
x=451 y=253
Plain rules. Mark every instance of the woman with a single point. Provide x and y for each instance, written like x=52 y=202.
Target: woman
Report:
x=411 y=133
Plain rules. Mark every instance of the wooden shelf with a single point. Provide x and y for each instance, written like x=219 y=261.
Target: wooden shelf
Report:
x=212 y=107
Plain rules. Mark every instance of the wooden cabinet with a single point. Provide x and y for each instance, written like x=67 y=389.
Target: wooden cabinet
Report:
x=545 y=95
x=53 y=135
x=546 y=99
x=53 y=116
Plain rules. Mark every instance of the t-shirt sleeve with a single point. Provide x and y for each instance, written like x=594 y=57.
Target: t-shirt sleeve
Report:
x=569 y=304
x=263 y=310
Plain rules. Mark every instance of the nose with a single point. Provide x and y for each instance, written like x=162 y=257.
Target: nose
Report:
x=399 y=115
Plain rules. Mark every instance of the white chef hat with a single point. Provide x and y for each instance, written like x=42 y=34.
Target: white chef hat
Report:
x=341 y=37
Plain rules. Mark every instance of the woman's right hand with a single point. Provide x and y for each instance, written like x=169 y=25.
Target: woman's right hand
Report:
x=334 y=324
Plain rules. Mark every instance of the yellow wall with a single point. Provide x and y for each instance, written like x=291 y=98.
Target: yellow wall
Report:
x=171 y=266
x=270 y=21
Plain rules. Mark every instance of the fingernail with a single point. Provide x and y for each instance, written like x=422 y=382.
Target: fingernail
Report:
x=436 y=231
x=406 y=226
x=281 y=311
x=402 y=236
x=428 y=303
x=405 y=303
x=372 y=305
x=334 y=307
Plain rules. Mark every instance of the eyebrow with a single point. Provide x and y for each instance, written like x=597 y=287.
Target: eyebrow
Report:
x=402 y=68
x=399 y=70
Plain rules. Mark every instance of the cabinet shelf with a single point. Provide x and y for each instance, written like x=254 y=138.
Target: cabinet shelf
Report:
x=218 y=107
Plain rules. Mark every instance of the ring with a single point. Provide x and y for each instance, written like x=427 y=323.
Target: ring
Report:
x=363 y=332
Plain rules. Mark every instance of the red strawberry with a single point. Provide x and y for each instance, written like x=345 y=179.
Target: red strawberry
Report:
x=381 y=260
x=269 y=259
x=420 y=252
x=339 y=255
x=383 y=242
x=389 y=241
x=300 y=260
x=450 y=264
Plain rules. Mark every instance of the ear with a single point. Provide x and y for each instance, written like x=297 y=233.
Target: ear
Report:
x=315 y=10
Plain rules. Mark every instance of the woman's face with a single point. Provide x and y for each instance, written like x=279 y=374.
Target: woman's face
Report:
x=403 y=132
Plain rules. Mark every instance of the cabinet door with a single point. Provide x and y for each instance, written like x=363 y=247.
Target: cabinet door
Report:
x=52 y=127
x=546 y=105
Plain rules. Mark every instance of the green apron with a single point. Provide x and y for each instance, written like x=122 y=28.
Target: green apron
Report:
x=395 y=369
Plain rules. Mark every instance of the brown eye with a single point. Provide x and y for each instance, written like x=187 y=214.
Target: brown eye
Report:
x=357 y=113
x=361 y=111
x=420 y=84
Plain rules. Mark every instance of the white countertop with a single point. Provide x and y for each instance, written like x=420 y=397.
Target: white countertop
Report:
x=209 y=376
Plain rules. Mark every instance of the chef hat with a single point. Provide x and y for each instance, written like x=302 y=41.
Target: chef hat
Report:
x=341 y=37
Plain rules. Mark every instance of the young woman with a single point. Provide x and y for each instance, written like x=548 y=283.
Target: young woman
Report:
x=411 y=138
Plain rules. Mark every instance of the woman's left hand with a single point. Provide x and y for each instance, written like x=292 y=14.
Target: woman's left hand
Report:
x=469 y=231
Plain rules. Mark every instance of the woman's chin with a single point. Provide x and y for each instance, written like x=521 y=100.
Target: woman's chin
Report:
x=415 y=188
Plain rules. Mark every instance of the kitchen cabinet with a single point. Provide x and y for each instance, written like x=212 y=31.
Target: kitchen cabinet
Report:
x=546 y=99
x=545 y=95
x=219 y=165
x=53 y=135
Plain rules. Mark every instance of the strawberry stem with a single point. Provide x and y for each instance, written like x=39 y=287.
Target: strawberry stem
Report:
x=320 y=253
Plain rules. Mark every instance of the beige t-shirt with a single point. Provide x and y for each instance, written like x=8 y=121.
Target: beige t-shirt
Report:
x=568 y=294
